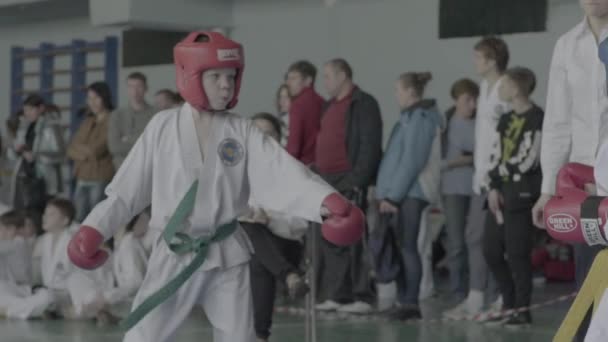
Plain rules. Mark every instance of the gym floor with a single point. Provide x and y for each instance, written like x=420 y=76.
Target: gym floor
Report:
x=330 y=329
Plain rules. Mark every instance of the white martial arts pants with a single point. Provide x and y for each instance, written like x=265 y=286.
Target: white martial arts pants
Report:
x=224 y=295
x=19 y=302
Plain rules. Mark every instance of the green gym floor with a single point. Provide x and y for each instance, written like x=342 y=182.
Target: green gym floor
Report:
x=336 y=329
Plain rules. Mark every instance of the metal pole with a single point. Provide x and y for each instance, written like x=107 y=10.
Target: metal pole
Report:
x=308 y=296
x=311 y=261
x=313 y=283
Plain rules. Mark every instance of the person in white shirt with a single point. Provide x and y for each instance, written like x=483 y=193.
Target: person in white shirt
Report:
x=576 y=102
x=491 y=57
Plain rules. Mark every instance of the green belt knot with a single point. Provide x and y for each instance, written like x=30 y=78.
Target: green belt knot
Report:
x=180 y=244
x=187 y=244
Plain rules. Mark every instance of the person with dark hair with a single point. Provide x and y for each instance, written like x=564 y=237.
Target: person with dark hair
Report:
x=65 y=206
x=348 y=153
x=457 y=179
x=40 y=148
x=408 y=181
x=78 y=294
x=126 y=124
x=283 y=104
x=166 y=99
x=304 y=112
x=515 y=186
x=89 y=150
x=277 y=245
x=18 y=300
x=491 y=57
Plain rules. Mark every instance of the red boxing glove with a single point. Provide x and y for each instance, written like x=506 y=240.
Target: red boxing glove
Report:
x=345 y=224
x=84 y=249
x=563 y=212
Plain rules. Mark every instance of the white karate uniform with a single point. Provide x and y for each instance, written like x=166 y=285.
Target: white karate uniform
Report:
x=129 y=266
x=16 y=297
x=280 y=224
x=287 y=226
x=55 y=265
x=75 y=292
x=19 y=301
x=89 y=291
x=239 y=160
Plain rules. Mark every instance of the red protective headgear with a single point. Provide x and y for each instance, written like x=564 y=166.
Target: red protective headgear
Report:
x=193 y=57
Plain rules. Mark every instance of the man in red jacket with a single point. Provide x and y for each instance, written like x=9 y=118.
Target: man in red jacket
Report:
x=305 y=111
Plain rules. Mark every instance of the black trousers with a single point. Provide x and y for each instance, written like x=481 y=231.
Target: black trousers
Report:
x=343 y=273
x=273 y=259
x=515 y=239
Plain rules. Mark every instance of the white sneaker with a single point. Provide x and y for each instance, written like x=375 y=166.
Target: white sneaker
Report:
x=387 y=296
x=458 y=313
x=328 y=305
x=360 y=308
x=493 y=311
x=468 y=309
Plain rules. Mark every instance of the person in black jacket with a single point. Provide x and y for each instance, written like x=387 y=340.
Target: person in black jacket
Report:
x=515 y=186
x=348 y=154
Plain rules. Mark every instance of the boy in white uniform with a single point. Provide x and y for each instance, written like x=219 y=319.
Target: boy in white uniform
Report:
x=77 y=294
x=201 y=154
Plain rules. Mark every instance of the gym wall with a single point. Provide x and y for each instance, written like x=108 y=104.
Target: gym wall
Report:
x=380 y=38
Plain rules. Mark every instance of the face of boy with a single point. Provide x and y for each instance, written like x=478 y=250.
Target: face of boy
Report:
x=28 y=230
x=595 y=8
x=7 y=232
x=507 y=90
x=466 y=103
x=219 y=85
x=53 y=219
x=482 y=64
x=296 y=82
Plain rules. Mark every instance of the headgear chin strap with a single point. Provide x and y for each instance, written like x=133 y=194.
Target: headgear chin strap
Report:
x=201 y=51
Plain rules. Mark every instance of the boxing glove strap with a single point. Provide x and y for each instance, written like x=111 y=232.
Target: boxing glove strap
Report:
x=591 y=222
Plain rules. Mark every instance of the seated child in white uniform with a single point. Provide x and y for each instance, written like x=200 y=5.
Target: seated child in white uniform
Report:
x=17 y=298
x=130 y=260
x=78 y=294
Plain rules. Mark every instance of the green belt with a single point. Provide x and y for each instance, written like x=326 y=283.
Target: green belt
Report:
x=184 y=245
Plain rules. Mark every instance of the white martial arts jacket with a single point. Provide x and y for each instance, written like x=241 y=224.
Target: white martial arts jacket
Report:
x=50 y=253
x=239 y=160
x=15 y=261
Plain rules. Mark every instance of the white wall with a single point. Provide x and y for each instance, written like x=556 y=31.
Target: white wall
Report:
x=380 y=38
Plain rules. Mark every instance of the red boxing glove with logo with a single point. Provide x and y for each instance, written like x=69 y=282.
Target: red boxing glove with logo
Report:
x=573 y=215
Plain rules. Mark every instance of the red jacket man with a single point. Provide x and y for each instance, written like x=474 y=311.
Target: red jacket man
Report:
x=305 y=111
